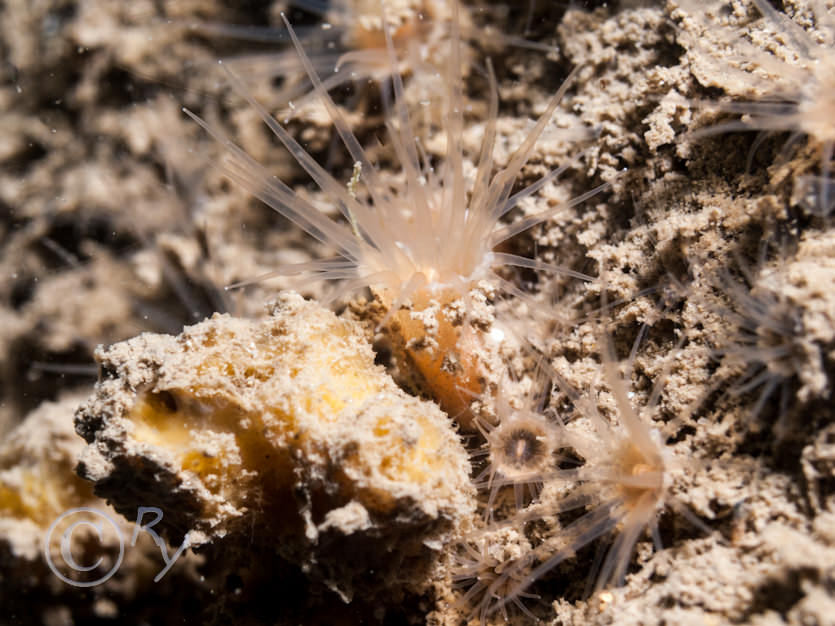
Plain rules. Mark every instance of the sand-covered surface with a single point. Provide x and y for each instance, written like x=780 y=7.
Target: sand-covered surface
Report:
x=716 y=248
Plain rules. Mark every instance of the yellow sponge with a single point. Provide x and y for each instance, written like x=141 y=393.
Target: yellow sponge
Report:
x=281 y=433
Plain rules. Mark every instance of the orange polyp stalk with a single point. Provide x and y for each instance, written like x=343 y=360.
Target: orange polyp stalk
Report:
x=454 y=390
x=452 y=386
x=431 y=356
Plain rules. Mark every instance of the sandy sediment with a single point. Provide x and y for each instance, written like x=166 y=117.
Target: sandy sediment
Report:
x=115 y=223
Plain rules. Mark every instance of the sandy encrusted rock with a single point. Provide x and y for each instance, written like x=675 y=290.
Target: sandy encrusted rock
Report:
x=36 y=479
x=280 y=436
x=45 y=505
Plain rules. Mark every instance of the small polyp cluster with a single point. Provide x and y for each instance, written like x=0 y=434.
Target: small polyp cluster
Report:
x=620 y=484
x=422 y=244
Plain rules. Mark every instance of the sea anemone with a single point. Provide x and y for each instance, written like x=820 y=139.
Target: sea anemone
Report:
x=519 y=451
x=792 y=77
x=430 y=236
x=486 y=564
x=422 y=241
x=767 y=349
x=623 y=484
x=348 y=45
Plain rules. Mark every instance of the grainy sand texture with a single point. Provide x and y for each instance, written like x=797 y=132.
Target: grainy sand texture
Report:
x=634 y=426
